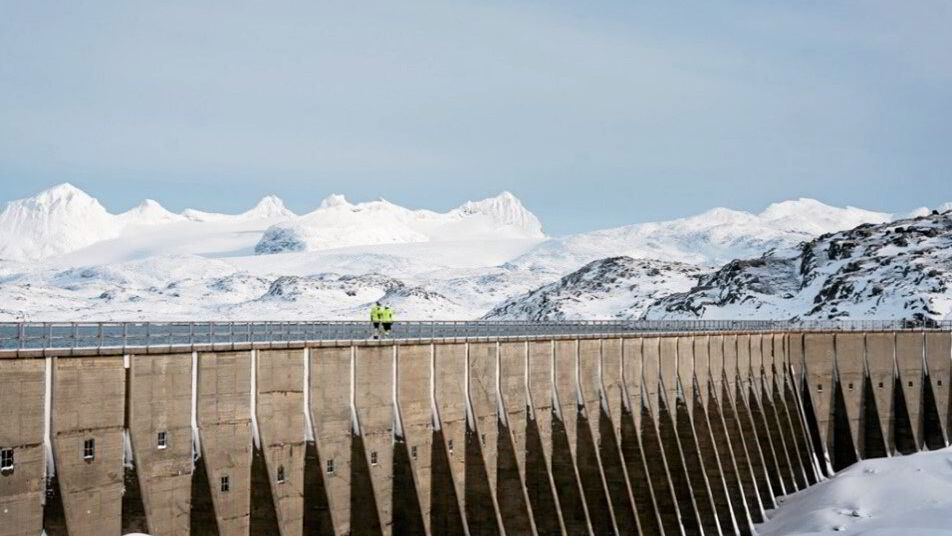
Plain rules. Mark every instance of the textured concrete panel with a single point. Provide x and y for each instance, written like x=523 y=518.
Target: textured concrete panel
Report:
x=224 y=424
x=850 y=368
x=715 y=350
x=633 y=376
x=280 y=416
x=743 y=363
x=416 y=415
x=668 y=371
x=881 y=363
x=730 y=365
x=511 y=492
x=756 y=363
x=160 y=401
x=373 y=400
x=938 y=356
x=565 y=362
x=540 y=378
x=88 y=403
x=795 y=360
x=482 y=508
x=541 y=389
x=910 y=348
x=22 y=388
x=512 y=384
x=685 y=360
x=482 y=397
x=819 y=359
x=613 y=379
x=450 y=379
x=702 y=366
x=651 y=376
x=332 y=418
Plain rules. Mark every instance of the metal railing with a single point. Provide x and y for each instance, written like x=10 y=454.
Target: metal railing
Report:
x=99 y=335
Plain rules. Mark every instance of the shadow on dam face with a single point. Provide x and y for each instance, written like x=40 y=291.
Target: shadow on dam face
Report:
x=686 y=462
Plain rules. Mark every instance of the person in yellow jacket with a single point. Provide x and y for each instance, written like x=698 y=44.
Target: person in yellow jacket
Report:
x=376 y=311
x=386 y=318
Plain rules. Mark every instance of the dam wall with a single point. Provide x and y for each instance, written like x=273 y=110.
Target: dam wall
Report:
x=660 y=433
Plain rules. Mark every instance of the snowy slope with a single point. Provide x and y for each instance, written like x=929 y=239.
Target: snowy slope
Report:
x=898 y=496
x=338 y=223
x=616 y=287
x=714 y=237
x=896 y=270
x=56 y=221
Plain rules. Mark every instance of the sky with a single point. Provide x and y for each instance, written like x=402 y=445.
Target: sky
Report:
x=595 y=114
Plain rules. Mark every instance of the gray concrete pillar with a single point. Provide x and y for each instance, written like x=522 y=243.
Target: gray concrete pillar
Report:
x=88 y=411
x=482 y=509
x=797 y=407
x=160 y=427
x=634 y=454
x=781 y=380
x=600 y=432
x=450 y=382
x=332 y=417
x=910 y=348
x=511 y=490
x=851 y=373
x=22 y=390
x=539 y=478
x=938 y=350
x=414 y=401
x=745 y=419
x=280 y=415
x=772 y=407
x=373 y=401
x=224 y=425
x=819 y=359
x=881 y=366
x=758 y=411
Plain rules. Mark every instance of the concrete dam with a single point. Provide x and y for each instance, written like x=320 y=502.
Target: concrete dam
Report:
x=578 y=428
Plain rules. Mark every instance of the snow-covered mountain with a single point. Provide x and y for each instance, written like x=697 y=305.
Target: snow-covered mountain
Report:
x=900 y=270
x=616 y=287
x=63 y=256
x=64 y=219
x=709 y=239
x=338 y=223
x=56 y=221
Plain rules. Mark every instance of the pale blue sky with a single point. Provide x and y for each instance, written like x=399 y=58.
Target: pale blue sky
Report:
x=596 y=114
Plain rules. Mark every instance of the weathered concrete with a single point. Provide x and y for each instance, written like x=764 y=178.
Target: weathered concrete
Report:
x=280 y=416
x=850 y=370
x=819 y=360
x=450 y=381
x=669 y=434
x=539 y=445
x=632 y=404
x=331 y=414
x=511 y=488
x=415 y=403
x=224 y=424
x=373 y=401
x=938 y=350
x=160 y=399
x=910 y=350
x=88 y=404
x=22 y=388
x=482 y=508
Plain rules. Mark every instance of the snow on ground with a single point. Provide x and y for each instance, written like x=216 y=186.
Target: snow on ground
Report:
x=898 y=496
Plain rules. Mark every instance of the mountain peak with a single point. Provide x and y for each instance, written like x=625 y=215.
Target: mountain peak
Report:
x=270 y=206
x=334 y=200
x=505 y=209
x=64 y=193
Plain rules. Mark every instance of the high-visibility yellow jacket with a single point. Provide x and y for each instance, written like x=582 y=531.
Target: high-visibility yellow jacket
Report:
x=375 y=313
x=386 y=315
